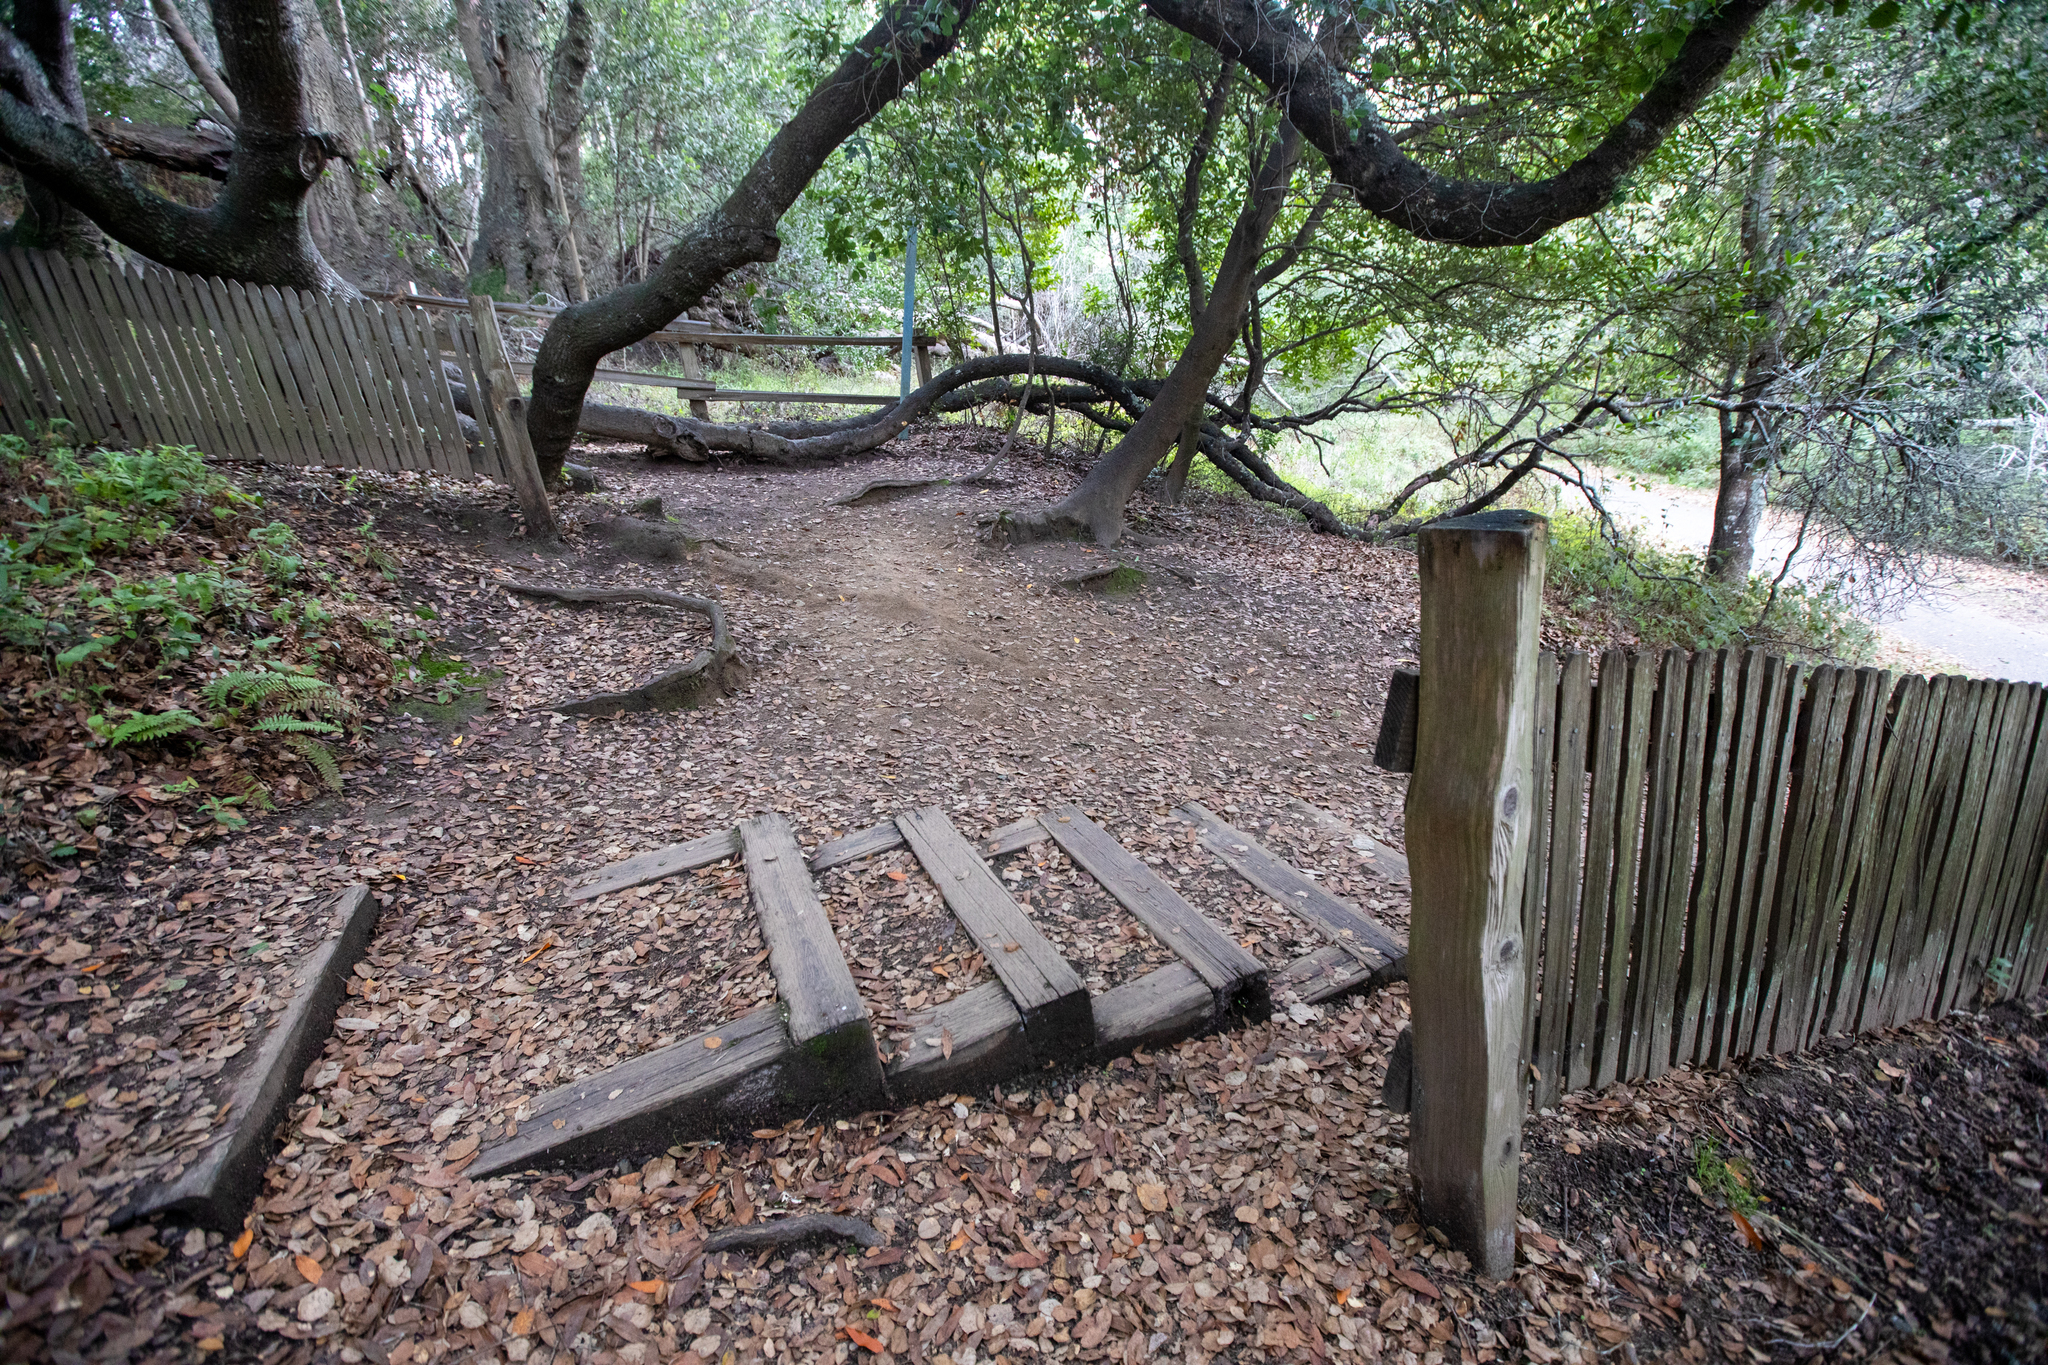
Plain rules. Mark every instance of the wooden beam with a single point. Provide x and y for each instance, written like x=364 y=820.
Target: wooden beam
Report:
x=879 y=400
x=508 y=412
x=1044 y=985
x=653 y=866
x=1349 y=927
x=851 y=848
x=1394 y=750
x=1234 y=975
x=684 y=1092
x=217 y=1187
x=827 y=1021
x=1010 y=838
x=1157 y=1010
x=697 y=389
x=1468 y=821
x=969 y=1043
x=1382 y=860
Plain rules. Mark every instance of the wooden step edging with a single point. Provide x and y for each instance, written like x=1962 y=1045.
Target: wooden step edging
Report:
x=1233 y=974
x=1349 y=927
x=1042 y=985
x=803 y=1056
x=217 y=1188
x=828 y=1023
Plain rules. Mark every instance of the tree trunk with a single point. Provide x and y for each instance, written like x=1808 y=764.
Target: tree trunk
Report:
x=47 y=222
x=533 y=106
x=1183 y=458
x=906 y=41
x=1096 y=507
x=1748 y=449
x=256 y=228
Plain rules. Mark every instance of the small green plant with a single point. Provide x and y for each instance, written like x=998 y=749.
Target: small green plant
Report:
x=292 y=702
x=1722 y=1177
x=274 y=544
x=144 y=728
x=370 y=552
x=1998 y=977
x=1664 y=599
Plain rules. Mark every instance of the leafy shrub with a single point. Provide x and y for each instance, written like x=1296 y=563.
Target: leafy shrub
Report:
x=1662 y=598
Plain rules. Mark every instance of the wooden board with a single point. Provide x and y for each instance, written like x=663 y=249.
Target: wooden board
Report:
x=775 y=396
x=1234 y=975
x=1536 y=876
x=1909 y=753
x=1608 y=738
x=681 y=1093
x=1624 y=939
x=1648 y=996
x=656 y=864
x=218 y=1186
x=1043 y=985
x=851 y=848
x=1784 y=689
x=1566 y=861
x=1860 y=806
x=1676 y=912
x=1157 y=1010
x=1345 y=924
x=693 y=388
x=964 y=1046
x=1394 y=750
x=1705 y=971
x=1382 y=860
x=827 y=1021
x=1011 y=838
x=1816 y=771
x=1329 y=973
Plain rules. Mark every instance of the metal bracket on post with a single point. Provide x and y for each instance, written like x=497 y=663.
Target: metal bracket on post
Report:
x=1468 y=827
x=508 y=414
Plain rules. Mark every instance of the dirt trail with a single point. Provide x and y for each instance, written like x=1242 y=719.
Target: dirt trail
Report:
x=1973 y=617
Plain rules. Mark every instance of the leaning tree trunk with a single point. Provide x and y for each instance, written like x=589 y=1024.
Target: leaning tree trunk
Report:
x=906 y=41
x=1096 y=506
x=256 y=228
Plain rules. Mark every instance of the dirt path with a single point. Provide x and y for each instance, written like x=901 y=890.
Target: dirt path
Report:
x=1973 y=617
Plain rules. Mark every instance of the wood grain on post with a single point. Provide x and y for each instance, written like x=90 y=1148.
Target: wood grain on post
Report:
x=1469 y=820
x=508 y=412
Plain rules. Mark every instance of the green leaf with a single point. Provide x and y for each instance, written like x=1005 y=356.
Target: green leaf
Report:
x=1884 y=16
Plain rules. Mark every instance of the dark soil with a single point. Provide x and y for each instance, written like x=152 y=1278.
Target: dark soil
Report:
x=1902 y=1172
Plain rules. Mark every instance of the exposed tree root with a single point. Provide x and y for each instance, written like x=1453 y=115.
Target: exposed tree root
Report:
x=782 y=1232
x=705 y=676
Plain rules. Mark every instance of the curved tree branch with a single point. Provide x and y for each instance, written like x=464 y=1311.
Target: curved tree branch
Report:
x=1340 y=121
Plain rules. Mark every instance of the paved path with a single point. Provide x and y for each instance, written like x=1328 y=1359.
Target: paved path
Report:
x=1984 y=619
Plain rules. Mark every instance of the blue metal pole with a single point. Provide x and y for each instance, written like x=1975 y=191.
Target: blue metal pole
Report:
x=909 y=303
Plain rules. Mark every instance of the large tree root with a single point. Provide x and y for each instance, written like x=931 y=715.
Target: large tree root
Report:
x=782 y=1232
x=706 y=676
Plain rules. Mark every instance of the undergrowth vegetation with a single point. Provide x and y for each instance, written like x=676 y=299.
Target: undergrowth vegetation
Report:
x=170 y=650
x=1629 y=588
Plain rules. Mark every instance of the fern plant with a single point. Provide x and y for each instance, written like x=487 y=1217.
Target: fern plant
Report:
x=300 y=706
x=147 y=729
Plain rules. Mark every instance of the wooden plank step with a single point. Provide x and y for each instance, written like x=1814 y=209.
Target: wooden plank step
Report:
x=1234 y=976
x=1383 y=860
x=657 y=864
x=827 y=1021
x=679 y=1093
x=984 y=1035
x=1329 y=973
x=1157 y=1010
x=851 y=848
x=1010 y=838
x=1347 y=926
x=1046 y=988
x=217 y=1187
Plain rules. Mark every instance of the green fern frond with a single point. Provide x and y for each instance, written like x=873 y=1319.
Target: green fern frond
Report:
x=295 y=725
x=142 y=729
x=319 y=757
x=245 y=687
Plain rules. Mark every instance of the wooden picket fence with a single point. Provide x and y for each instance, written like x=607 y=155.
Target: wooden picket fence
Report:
x=146 y=356
x=1737 y=855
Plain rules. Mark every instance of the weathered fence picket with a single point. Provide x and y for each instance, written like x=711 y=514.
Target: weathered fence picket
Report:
x=151 y=356
x=1735 y=855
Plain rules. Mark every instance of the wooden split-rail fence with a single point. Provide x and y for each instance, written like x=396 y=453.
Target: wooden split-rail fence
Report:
x=144 y=356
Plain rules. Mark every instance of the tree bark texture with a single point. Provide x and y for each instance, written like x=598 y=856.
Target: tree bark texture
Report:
x=257 y=227
x=1748 y=449
x=533 y=163
x=1340 y=121
x=47 y=222
x=908 y=39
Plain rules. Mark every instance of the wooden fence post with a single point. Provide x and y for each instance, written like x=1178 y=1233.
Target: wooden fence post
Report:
x=508 y=411
x=1468 y=822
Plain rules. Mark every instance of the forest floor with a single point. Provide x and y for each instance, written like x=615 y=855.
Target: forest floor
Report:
x=1241 y=1197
